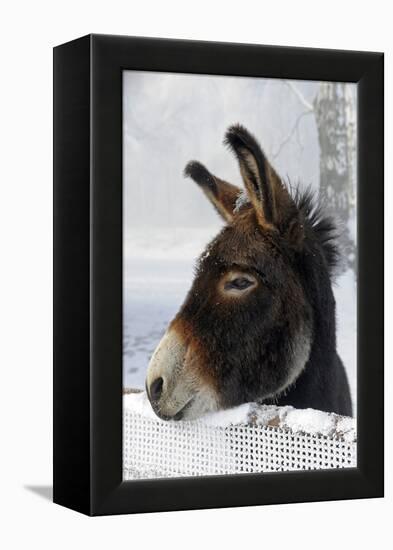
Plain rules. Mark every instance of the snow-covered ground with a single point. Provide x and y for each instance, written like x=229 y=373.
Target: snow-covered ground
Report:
x=158 y=271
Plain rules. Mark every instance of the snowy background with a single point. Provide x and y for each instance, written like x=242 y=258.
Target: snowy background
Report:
x=169 y=119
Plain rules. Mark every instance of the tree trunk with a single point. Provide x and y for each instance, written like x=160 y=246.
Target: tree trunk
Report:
x=334 y=109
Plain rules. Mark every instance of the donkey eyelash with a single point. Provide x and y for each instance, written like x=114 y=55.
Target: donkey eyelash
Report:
x=260 y=274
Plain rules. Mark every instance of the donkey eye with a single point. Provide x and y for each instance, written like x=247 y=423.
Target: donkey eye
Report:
x=240 y=283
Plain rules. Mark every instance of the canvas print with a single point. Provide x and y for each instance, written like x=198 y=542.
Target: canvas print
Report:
x=239 y=275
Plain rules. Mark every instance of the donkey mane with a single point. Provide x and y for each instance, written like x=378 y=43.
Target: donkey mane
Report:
x=322 y=226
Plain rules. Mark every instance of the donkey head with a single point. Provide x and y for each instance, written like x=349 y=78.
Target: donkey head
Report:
x=244 y=330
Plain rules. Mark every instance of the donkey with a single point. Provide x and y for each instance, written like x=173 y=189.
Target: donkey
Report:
x=258 y=323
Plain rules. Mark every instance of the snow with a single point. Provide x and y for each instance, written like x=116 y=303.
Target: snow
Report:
x=138 y=403
x=236 y=415
x=308 y=421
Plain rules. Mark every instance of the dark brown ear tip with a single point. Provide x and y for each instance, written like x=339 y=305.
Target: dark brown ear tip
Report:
x=237 y=130
x=234 y=136
x=237 y=137
x=201 y=175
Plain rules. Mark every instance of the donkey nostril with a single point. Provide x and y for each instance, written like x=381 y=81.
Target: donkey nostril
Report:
x=156 y=389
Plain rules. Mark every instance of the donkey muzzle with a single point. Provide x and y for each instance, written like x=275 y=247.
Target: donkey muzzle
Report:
x=166 y=392
x=173 y=387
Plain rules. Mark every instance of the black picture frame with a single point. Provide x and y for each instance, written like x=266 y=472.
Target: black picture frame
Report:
x=88 y=274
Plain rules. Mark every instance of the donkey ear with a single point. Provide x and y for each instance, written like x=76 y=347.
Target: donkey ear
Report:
x=221 y=194
x=269 y=197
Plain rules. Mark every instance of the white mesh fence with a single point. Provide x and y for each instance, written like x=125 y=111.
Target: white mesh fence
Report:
x=270 y=441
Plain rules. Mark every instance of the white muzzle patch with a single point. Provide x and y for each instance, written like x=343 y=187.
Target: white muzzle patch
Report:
x=182 y=393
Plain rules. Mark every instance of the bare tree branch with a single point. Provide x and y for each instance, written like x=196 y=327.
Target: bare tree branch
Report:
x=308 y=106
x=291 y=132
x=295 y=128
